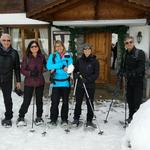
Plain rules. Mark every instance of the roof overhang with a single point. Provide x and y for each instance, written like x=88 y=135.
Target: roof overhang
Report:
x=18 y=19
x=97 y=23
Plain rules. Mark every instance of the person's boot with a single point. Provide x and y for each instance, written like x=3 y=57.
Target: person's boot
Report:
x=91 y=124
x=129 y=120
x=6 y=123
x=75 y=122
x=64 y=123
x=39 y=121
x=21 y=122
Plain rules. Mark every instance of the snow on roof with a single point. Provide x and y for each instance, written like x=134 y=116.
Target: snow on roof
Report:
x=18 y=19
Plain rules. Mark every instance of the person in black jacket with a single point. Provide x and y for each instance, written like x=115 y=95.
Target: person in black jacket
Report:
x=87 y=71
x=134 y=69
x=9 y=61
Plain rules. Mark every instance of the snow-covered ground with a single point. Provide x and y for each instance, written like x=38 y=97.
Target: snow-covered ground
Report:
x=77 y=139
x=138 y=132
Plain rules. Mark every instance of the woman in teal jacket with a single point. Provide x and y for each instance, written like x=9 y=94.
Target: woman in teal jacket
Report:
x=58 y=63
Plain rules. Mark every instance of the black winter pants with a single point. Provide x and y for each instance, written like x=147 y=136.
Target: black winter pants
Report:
x=28 y=92
x=80 y=92
x=134 y=95
x=6 y=90
x=57 y=93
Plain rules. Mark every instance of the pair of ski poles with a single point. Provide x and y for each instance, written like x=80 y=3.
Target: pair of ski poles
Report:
x=120 y=80
x=87 y=94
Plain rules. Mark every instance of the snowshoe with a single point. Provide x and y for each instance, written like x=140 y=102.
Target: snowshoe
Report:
x=77 y=123
x=124 y=124
x=39 y=121
x=64 y=123
x=7 y=123
x=21 y=122
x=90 y=126
x=52 y=124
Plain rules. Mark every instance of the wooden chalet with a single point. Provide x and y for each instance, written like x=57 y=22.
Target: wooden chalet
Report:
x=85 y=10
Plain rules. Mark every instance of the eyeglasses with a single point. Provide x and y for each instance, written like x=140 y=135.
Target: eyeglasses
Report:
x=34 y=46
x=6 y=40
x=130 y=42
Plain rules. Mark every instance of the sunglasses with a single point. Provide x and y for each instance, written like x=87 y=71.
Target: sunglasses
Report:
x=34 y=46
x=6 y=40
x=130 y=42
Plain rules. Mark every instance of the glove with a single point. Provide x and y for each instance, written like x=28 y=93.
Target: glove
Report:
x=34 y=73
x=76 y=75
x=19 y=92
x=121 y=73
x=131 y=74
x=84 y=80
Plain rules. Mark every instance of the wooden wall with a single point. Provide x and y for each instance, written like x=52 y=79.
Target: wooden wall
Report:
x=12 y=6
x=85 y=10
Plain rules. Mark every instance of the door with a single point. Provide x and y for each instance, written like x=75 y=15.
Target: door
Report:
x=101 y=43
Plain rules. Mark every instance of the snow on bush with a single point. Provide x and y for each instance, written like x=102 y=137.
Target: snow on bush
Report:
x=137 y=135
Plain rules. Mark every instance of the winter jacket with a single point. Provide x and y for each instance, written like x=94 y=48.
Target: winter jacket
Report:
x=88 y=67
x=55 y=62
x=30 y=63
x=9 y=61
x=134 y=65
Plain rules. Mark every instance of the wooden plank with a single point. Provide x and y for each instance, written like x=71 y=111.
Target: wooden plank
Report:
x=89 y=10
x=101 y=43
x=145 y=3
x=14 y=6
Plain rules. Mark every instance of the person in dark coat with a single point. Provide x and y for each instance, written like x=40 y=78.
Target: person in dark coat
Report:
x=86 y=71
x=134 y=68
x=114 y=50
x=9 y=61
x=32 y=68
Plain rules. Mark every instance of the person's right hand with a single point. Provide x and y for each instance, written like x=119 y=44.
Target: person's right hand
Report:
x=65 y=69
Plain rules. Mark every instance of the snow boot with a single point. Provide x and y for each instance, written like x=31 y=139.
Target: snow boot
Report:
x=21 y=122
x=64 y=123
x=6 y=123
x=39 y=121
x=90 y=124
x=52 y=124
x=75 y=123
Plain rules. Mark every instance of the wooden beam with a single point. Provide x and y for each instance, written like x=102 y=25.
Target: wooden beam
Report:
x=96 y=9
x=145 y=3
x=84 y=10
x=91 y=10
x=14 y=6
x=43 y=7
x=129 y=4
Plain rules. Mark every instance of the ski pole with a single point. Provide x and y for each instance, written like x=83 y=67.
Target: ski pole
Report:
x=100 y=131
x=32 y=129
x=74 y=93
x=125 y=100
x=115 y=93
x=46 y=116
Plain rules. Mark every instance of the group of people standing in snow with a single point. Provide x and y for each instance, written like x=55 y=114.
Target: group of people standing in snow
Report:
x=60 y=64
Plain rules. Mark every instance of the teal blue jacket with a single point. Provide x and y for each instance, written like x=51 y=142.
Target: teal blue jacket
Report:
x=57 y=63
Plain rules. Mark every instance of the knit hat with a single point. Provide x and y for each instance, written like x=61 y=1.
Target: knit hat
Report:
x=87 y=46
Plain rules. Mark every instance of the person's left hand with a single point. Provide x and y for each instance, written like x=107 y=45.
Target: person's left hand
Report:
x=18 y=85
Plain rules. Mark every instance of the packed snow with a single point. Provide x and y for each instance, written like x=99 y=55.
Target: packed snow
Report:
x=137 y=134
x=78 y=138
